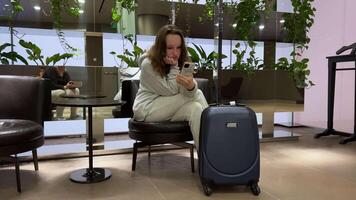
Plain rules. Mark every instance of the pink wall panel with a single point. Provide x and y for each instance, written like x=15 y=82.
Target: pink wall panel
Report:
x=334 y=27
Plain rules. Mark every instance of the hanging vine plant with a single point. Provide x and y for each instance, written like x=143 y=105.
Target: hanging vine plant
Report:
x=11 y=56
x=70 y=7
x=16 y=7
x=129 y=5
x=297 y=25
x=246 y=15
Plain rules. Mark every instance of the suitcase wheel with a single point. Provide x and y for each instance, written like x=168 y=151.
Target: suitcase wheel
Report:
x=207 y=189
x=255 y=188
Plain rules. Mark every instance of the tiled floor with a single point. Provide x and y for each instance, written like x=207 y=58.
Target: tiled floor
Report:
x=305 y=169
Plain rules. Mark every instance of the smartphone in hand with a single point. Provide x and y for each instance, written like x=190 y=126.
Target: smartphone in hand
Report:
x=76 y=84
x=188 y=69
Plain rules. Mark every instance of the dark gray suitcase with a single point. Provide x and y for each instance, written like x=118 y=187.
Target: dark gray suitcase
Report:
x=229 y=151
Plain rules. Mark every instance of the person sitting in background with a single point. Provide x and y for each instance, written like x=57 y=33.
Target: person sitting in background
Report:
x=41 y=72
x=61 y=85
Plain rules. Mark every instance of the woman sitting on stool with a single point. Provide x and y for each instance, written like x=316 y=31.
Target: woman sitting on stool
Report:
x=164 y=93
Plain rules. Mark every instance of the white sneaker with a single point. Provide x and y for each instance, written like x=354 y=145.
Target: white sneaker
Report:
x=59 y=118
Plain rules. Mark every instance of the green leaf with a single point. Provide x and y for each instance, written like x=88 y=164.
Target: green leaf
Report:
x=128 y=53
x=4 y=61
x=22 y=59
x=193 y=54
x=137 y=51
x=9 y=55
x=124 y=59
x=199 y=50
x=25 y=44
x=66 y=56
x=5 y=45
x=203 y=54
x=29 y=54
x=48 y=60
x=53 y=59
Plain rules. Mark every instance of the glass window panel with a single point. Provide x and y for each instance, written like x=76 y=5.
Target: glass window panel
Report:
x=4 y=35
x=145 y=41
x=283 y=50
x=284 y=6
x=111 y=42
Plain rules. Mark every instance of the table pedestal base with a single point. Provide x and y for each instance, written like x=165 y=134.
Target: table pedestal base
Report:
x=278 y=135
x=90 y=176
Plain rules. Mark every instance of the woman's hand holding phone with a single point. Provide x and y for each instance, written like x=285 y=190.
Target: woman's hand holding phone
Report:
x=185 y=81
x=185 y=78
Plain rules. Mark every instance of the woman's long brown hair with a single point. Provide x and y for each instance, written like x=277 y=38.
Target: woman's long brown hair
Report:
x=158 y=50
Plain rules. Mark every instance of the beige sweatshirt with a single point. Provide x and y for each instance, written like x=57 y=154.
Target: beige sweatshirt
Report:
x=152 y=86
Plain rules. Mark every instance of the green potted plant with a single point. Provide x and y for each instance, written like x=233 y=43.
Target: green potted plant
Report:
x=129 y=59
x=246 y=14
x=206 y=63
x=201 y=58
x=35 y=54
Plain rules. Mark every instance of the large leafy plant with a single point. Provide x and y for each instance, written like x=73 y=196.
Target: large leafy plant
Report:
x=35 y=54
x=7 y=57
x=129 y=57
x=298 y=25
x=204 y=60
x=246 y=16
x=298 y=70
x=251 y=64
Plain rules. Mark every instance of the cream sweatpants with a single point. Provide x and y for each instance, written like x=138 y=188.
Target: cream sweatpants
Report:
x=179 y=108
x=60 y=109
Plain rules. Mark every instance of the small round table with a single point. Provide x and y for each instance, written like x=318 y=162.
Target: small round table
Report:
x=91 y=174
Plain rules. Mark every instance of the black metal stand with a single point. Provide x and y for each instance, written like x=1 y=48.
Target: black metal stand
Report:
x=90 y=175
x=332 y=61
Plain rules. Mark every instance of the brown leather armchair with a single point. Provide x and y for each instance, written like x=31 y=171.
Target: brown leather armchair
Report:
x=21 y=117
x=153 y=133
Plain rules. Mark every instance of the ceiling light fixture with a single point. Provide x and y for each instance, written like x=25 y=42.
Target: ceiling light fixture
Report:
x=37 y=7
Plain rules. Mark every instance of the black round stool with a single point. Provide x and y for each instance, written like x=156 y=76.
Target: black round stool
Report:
x=153 y=133
x=17 y=136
